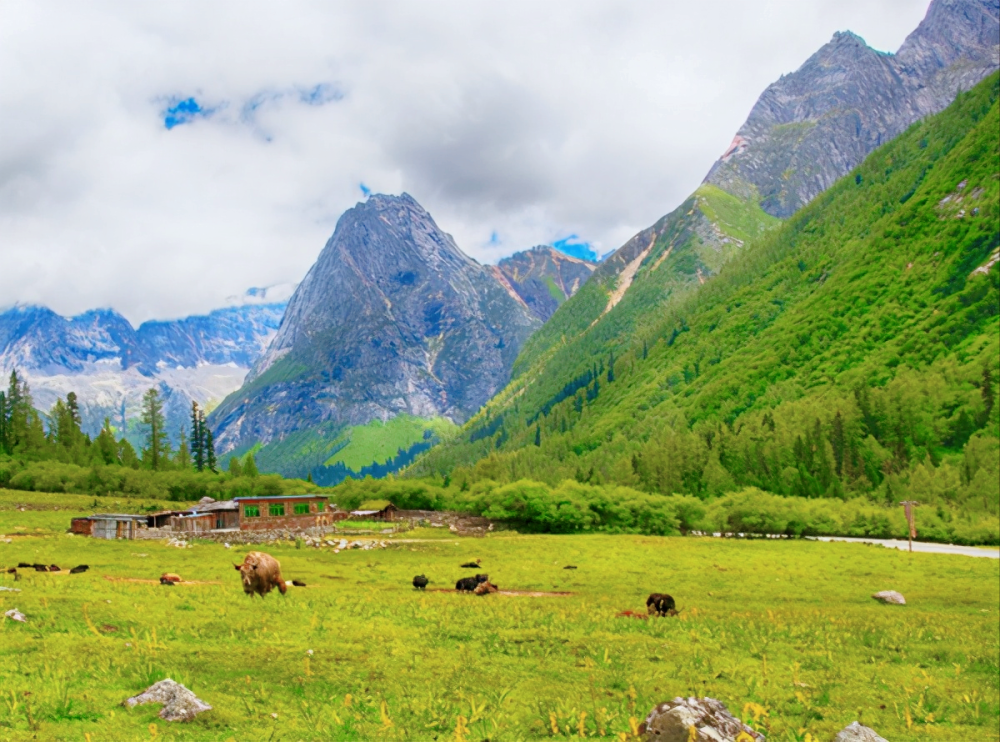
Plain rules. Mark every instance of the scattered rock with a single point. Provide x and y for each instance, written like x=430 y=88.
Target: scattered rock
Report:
x=9 y=589
x=672 y=722
x=856 y=732
x=15 y=615
x=890 y=596
x=179 y=704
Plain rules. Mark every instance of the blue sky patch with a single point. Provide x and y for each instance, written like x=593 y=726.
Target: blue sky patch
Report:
x=575 y=248
x=184 y=112
x=319 y=95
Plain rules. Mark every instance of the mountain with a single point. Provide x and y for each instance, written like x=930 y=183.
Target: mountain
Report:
x=543 y=277
x=827 y=116
x=109 y=364
x=811 y=127
x=392 y=320
x=855 y=349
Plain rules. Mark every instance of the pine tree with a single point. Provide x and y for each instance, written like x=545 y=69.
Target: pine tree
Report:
x=183 y=457
x=156 y=436
x=611 y=368
x=645 y=350
x=986 y=389
x=837 y=441
x=197 y=437
x=209 y=449
x=538 y=435
x=106 y=446
x=250 y=466
x=73 y=405
x=127 y=455
x=234 y=467
x=4 y=448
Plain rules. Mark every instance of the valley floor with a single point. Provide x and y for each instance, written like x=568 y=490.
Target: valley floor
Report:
x=787 y=625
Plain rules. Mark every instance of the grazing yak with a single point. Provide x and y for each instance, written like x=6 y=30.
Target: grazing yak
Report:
x=469 y=584
x=261 y=573
x=420 y=582
x=472 y=565
x=660 y=604
x=79 y=569
x=485 y=588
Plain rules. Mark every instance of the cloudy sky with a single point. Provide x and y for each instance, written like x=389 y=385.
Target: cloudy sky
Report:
x=158 y=157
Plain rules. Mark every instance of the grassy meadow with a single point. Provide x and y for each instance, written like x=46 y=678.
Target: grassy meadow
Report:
x=783 y=631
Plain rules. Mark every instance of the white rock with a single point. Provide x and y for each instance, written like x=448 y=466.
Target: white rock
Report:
x=179 y=704
x=856 y=732
x=890 y=596
x=672 y=722
x=15 y=615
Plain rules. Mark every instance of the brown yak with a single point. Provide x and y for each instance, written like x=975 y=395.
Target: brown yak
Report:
x=261 y=573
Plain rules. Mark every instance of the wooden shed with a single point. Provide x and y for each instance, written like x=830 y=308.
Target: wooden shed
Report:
x=109 y=525
x=375 y=510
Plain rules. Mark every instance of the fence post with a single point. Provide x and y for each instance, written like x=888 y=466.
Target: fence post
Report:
x=908 y=506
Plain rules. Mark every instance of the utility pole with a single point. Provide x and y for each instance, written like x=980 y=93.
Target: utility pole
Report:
x=908 y=506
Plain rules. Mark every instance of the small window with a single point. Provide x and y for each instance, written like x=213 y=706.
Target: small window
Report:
x=276 y=509
x=320 y=507
x=251 y=511
x=302 y=508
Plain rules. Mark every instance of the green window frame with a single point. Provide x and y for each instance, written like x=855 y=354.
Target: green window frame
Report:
x=302 y=508
x=276 y=508
x=251 y=511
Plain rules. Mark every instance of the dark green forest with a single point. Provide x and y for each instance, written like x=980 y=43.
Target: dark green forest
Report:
x=851 y=352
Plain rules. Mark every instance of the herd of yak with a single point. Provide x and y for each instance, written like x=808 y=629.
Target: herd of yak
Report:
x=261 y=573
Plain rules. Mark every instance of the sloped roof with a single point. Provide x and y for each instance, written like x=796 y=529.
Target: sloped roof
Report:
x=375 y=505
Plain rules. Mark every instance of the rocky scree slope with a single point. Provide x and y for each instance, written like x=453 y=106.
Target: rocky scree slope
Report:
x=392 y=319
x=824 y=118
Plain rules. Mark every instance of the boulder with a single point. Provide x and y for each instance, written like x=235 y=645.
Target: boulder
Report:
x=890 y=596
x=672 y=722
x=856 y=732
x=179 y=704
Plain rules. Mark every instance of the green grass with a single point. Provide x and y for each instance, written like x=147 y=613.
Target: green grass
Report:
x=787 y=625
x=378 y=441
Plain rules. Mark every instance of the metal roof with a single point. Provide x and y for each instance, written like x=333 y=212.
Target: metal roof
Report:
x=116 y=516
x=280 y=497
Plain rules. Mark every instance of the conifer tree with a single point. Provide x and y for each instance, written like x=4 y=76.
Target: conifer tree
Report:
x=183 y=457
x=106 y=446
x=156 y=436
x=986 y=389
x=234 y=467
x=611 y=368
x=127 y=455
x=3 y=423
x=645 y=350
x=250 y=466
x=197 y=437
x=538 y=435
x=209 y=449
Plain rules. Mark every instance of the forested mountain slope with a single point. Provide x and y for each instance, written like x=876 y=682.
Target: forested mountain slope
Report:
x=806 y=130
x=855 y=349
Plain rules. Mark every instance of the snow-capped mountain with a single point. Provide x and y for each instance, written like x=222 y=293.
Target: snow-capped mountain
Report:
x=110 y=364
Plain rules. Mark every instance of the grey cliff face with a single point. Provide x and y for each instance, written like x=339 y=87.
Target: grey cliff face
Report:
x=393 y=318
x=813 y=126
x=543 y=277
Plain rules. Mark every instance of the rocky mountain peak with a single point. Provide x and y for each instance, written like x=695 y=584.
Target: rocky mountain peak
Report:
x=812 y=126
x=393 y=318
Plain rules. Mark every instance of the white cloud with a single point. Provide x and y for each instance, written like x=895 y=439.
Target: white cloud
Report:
x=534 y=121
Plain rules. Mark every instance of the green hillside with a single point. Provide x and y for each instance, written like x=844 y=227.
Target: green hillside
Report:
x=685 y=247
x=853 y=350
x=378 y=441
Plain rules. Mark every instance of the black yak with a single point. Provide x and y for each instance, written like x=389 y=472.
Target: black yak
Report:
x=660 y=604
x=79 y=569
x=420 y=582
x=469 y=584
x=472 y=565
x=261 y=573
